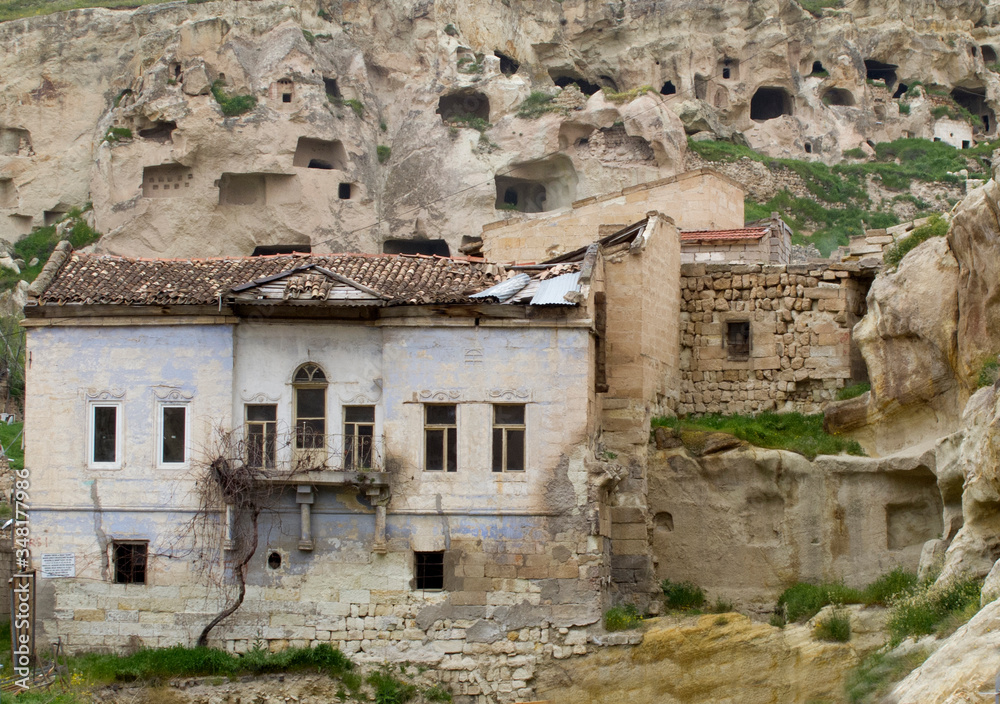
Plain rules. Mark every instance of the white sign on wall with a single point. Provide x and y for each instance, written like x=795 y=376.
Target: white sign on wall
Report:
x=58 y=564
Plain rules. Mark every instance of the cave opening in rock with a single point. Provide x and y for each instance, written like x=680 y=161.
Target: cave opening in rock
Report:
x=608 y=82
x=730 y=68
x=51 y=217
x=537 y=186
x=973 y=99
x=463 y=106
x=817 y=69
x=13 y=139
x=8 y=193
x=563 y=80
x=263 y=250
x=344 y=191
x=331 y=87
x=242 y=189
x=838 y=96
x=159 y=132
x=508 y=65
x=320 y=154
x=769 y=102
x=668 y=88
x=430 y=248
x=900 y=91
x=809 y=147
x=878 y=71
x=989 y=54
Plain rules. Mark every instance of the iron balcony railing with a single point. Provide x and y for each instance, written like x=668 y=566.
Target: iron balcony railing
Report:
x=301 y=451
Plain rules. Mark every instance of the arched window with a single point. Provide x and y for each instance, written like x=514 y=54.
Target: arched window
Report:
x=310 y=384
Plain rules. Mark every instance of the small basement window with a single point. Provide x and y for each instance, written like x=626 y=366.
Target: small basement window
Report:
x=429 y=570
x=344 y=191
x=129 y=558
x=738 y=340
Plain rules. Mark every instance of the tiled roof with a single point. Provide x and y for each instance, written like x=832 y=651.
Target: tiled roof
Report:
x=743 y=233
x=399 y=278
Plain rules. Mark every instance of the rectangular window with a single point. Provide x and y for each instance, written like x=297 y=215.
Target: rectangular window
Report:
x=440 y=437
x=310 y=418
x=105 y=436
x=429 y=570
x=129 y=558
x=173 y=426
x=738 y=340
x=508 y=438
x=359 y=435
x=262 y=429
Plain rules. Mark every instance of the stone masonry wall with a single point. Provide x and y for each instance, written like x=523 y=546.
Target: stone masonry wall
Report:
x=800 y=317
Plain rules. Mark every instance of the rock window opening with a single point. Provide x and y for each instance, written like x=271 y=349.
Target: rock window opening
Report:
x=508 y=65
x=730 y=68
x=508 y=438
x=430 y=248
x=725 y=72
x=129 y=558
x=261 y=434
x=817 y=68
x=331 y=87
x=51 y=217
x=523 y=196
x=989 y=54
x=769 y=103
x=668 y=88
x=344 y=191
x=263 y=250
x=428 y=568
x=464 y=107
x=159 y=132
x=21 y=224
x=274 y=561
x=878 y=71
x=838 y=96
x=8 y=193
x=738 y=341
x=608 y=82
x=585 y=86
x=700 y=87
x=965 y=144
x=537 y=186
x=326 y=155
x=13 y=139
x=440 y=437
x=166 y=181
x=176 y=70
x=900 y=91
x=286 y=97
x=809 y=148
x=359 y=437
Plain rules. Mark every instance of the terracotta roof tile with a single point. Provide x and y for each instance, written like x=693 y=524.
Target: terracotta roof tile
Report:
x=402 y=279
x=743 y=233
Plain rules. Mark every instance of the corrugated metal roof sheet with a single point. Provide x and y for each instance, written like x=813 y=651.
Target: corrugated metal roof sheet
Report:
x=743 y=233
x=505 y=289
x=552 y=292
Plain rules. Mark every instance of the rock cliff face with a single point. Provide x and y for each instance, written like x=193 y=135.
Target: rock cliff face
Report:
x=388 y=121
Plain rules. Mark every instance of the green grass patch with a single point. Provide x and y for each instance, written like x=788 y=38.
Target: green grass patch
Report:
x=780 y=431
x=854 y=153
x=153 y=666
x=816 y=7
x=931 y=608
x=835 y=628
x=469 y=65
x=853 y=391
x=682 y=595
x=536 y=105
x=876 y=675
x=389 y=689
x=17 y=9
x=10 y=439
x=383 y=152
x=801 y=601
x=356 y=105
x=469 y=120
x=232 y=105
x=118 y=134
x=936 y=226
x=625 y=96
x=904 y=108
x=622 y=618
x=39 y=245
x=889 y=587
x=988 y=373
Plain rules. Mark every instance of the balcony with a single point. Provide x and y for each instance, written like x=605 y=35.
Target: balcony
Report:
x=318 y=459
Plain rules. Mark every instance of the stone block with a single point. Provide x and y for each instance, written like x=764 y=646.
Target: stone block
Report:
x=89 y=615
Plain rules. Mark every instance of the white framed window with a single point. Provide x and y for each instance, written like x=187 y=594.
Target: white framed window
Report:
x=104 y=435
x=508 y=437
x=440 y=437
x=173 y=433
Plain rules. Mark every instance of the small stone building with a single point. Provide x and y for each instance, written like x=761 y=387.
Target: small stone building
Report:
x=768 y=242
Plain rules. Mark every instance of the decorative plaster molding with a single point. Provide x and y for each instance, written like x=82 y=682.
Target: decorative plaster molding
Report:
x=167 y=393
x=522 y=395
x=440 y=395
x=259 y=398
x=112 y=394
x=358 y=400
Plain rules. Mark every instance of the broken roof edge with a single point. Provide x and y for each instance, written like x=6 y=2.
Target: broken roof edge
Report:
x=626 y=234
x=47 y=275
